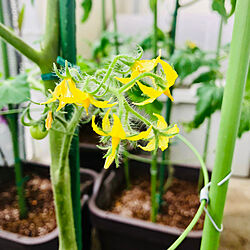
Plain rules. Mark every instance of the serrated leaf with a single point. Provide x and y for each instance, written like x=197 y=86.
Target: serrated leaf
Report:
x=20 y=18
x=14 y=90
x=87 y=6
x=209 y=100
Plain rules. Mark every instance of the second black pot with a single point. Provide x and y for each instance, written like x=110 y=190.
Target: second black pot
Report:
x=120 y=233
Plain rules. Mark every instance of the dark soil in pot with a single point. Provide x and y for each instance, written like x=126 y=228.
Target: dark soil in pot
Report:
x=40 y=202
x=127 y=232
x=41 y=212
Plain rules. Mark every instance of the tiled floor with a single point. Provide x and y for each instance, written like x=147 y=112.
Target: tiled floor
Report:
x=236 y=233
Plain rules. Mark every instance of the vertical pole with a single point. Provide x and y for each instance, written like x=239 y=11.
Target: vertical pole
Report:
x=155 y=48
x=13 y=127
x=68 y=46
x=230 y=115
x=103 y=15
x=168 y=104
x=115 y=27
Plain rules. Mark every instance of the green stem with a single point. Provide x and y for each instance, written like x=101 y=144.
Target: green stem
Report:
x=155 y=38
x=115 y=27
x=13 y=126
x=103 y=15
x=60 y=176
x=44 y=58
x=68 y=47
x=126 y=171
x=153 y=174
x=168 y=111
x=230 y=114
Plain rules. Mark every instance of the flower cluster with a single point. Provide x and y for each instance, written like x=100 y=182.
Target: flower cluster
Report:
x=116 y=121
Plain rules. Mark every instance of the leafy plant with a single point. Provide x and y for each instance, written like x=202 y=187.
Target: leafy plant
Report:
x=87 y=6
x=219 y=6
x=14 y=90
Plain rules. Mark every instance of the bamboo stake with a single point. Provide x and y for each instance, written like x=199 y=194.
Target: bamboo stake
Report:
x=230 y=114
x=68 y=46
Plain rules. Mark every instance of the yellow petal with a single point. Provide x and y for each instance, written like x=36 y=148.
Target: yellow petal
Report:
x=124 y=80
x=173 y=130
x=168 y=93
x=170 y=73
x=150 y=100
x=142 y=135
x=163 y=142
x=96 y=129
x=117 y=129
x=150 y=146
x=105 y=122
x=101 y=104
x=49 y=120
x=161 y=123
x=149 y=91
x=111 y=157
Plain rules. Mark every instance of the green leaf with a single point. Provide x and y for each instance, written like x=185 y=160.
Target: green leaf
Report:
x=14 y=90
x=245 y=110
x=219 y=6
x=20 y=18
x=87 y=6
x=206 y=77
x=209 y=100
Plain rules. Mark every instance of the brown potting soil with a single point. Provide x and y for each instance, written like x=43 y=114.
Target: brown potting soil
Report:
x=180 y=203
x=41 y=216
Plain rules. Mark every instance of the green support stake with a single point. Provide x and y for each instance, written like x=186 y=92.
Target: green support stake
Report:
x=68 y=48
x=230 y=114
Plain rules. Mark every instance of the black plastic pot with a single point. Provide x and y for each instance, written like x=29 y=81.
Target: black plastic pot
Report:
x=91 y=157
x=120 y=233
x=12 y=241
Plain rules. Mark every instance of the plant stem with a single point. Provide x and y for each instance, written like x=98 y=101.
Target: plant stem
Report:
x=4 y=48
x=168 y=112
x=13 y=126
x=68 y=47
x=103 y=15
x=153 y=174
x=44 y=58
x=155 y=37
x=115 y=27
x=126 y=171
x=200 y=180
x=230 y=114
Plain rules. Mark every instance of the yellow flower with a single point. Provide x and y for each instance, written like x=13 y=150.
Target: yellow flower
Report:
x=117 y=134
x=191 y=44
x=164 y=137
x=142 y=66
x=49 y=120
x=67 y=92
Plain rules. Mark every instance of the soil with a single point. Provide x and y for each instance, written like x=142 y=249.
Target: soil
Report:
x=41 y=216
x=180 y=203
